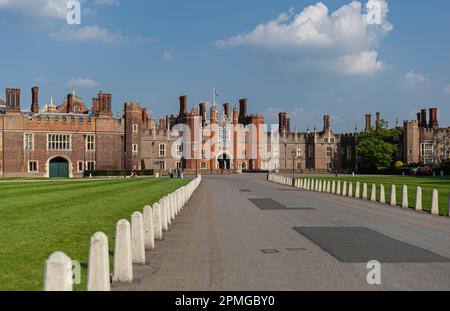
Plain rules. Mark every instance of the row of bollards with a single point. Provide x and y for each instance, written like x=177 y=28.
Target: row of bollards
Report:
x=346 y=189
x=131 y=242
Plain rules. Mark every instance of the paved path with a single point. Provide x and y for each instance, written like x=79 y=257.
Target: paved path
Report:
x=223 y=241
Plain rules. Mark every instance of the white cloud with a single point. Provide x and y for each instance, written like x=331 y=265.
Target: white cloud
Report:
x=167 y=55
x=447 y=89
x=55 y=9
x=344 y=35
x=82 y=83
x=92 y=33
x=414 y=78
x=363 y=63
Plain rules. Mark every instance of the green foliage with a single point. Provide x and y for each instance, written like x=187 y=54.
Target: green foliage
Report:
x=445 y=166
x=399 y=164
x=142 y=165
x=378 y=147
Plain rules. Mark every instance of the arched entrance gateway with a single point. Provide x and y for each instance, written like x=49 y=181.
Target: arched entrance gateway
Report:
x=224 y=161
x=59 y=168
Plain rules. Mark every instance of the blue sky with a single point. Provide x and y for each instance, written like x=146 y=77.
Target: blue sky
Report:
x=309 y=64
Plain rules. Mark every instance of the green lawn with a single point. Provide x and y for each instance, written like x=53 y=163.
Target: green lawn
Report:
x=427 y=184
x=38 y=218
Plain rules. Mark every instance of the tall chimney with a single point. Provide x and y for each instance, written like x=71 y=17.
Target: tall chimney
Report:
x=378 y=122
x=326 y=123
x=288 y=125
x=213 y=115
x=9 y=99
x=243 y=108
x=226 y=109
x=423 y=118
x=235 y=117
x=281 y=121
x=419 y=118
x=35 y=100
x=368 y=121
x=202 y=110
x=12 y=100
x=183 y=105
x=162 y=124
x=70 y=102
x=433 y=118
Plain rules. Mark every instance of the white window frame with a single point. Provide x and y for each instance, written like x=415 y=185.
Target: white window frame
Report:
x=37 y=166
x=26 y=142
x=203 y=165
x=162 y=165
x=135 y=128
x=135 y=148
x=78 y=166
x=162 y=151
x=59 y=142
x=89 y=143
x=89 y=163
x=427 y=152
x=329 y=151
x=298 y=151
x=180 y=150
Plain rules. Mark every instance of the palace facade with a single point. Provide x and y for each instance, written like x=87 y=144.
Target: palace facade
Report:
x=70 y=138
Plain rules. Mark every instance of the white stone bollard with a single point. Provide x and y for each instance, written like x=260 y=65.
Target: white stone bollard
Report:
x=137 y=238
x=173 y=206
x=164 y=202
x=329 y=186
x=98 y=266
x=435 y=202
x=58 y=273
x=309 y=185
x=405 y=203
x=169 y=208
x=418 y=205
x=157 y=221
x=149 y=231
x=338 y=189
x=393 y=196
x=344 y=189
x=364 y=193
x=382 y=195
x=357 y=190
x=320 y=185
x=350 y=189
x=373 y=195
x=123 y=264
x=333 y=187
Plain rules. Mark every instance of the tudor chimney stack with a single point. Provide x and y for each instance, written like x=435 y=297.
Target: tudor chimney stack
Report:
x=368 y=121
x=35 y=100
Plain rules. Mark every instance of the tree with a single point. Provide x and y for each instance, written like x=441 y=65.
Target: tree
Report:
x=377 y=147
x=142 y=165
